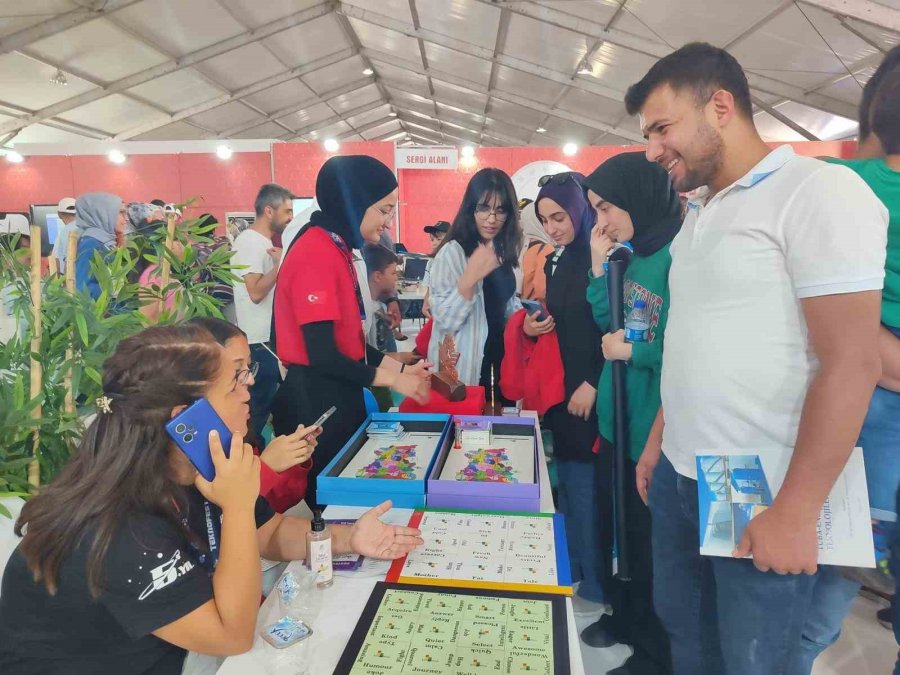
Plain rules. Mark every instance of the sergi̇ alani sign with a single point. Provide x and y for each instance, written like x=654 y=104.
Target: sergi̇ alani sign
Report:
x=426 y=157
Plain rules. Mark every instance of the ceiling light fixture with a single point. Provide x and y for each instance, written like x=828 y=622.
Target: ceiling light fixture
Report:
x=14 y=157
x=585 y=70
x=368 y=71
x=116 y=156
x=392 y=114
x=224 y=151
x=331 y=145
x=59 y=78
x=467 y=151
x=540 y=130
x=570 y=149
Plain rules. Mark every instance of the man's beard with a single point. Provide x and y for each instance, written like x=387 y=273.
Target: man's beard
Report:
x=707 y=152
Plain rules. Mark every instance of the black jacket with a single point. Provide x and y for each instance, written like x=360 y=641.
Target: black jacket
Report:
x=579 y=345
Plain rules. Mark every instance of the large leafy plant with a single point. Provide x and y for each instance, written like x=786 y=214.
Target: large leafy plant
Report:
x=88 y=330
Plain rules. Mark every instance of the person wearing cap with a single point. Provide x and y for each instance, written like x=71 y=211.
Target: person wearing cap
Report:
x=436 y=234
x=66 y=212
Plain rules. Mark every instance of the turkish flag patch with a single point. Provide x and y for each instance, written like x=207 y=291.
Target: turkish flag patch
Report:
x=317 y=297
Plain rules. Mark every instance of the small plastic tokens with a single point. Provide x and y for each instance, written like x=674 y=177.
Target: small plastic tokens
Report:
x=285 y=632
x=288 y=588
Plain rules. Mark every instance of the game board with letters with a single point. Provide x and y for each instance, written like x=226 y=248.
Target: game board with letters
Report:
x=494 y=468
x=437 y=631
x=374 y=467
x=481 y=549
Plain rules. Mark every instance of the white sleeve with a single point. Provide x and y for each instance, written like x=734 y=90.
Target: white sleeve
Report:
x=835 y=235
x=448 y=307
x=249 y=250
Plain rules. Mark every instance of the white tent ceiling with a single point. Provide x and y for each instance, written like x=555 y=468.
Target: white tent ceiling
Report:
x=489 y=72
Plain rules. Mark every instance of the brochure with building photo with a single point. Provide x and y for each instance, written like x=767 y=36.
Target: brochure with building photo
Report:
x=735 y=485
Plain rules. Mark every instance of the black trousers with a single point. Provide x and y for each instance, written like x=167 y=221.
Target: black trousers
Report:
x=634 y=622
x=307 y=393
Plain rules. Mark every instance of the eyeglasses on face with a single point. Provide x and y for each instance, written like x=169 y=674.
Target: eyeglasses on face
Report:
x=243 y=376
x=485 y=211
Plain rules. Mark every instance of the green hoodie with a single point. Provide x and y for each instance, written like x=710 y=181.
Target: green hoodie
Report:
x=647 y=279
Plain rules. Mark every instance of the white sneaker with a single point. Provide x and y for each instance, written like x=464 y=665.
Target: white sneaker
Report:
x=583 y=607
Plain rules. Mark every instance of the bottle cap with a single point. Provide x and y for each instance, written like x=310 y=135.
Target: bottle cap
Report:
x=318 y=524
x=638 y=304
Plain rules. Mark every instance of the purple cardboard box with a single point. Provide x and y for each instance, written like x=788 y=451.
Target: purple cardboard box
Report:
x=473 y=481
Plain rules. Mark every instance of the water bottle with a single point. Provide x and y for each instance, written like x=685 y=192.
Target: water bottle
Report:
x=636 y=324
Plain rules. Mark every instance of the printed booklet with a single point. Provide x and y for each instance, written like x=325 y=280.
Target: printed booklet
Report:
x=735 y=485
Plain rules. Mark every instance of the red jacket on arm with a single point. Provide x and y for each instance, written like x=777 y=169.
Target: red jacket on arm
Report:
x=286 y=489
x=531 y=369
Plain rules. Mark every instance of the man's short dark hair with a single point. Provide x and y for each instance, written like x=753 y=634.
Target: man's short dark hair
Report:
x=271 y=194
x=698 y=66
x=890 y=64
x=378 y=258
x=886 y=113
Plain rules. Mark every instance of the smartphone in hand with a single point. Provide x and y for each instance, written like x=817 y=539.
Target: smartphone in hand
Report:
x=190 y=430
x=532 y=306
x=319 y=422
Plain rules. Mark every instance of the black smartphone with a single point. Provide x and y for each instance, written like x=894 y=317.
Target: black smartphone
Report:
x=532 y=306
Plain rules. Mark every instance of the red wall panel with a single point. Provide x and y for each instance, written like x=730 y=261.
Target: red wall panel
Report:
x=223 y=185
x=231 y=185
x=39 y=180
x=298 y=164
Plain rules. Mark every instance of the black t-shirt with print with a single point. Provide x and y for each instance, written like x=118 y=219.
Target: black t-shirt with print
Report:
x=152 y=577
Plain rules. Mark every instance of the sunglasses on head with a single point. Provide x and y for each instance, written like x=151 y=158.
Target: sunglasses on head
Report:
x=560 y=178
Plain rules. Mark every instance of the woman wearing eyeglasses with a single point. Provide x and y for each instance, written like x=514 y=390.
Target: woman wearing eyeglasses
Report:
x=285 y=462
x=473 y=287
x=319 y=309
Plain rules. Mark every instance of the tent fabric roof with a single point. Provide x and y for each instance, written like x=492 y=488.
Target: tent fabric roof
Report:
x=489 y=72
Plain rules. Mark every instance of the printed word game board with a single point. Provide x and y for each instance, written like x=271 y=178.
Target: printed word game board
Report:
x=508 y=459
x=408 y=629
x=406 y=458
x=481 y=549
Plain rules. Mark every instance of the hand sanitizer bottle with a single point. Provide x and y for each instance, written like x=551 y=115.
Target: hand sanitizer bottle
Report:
x=318 y=551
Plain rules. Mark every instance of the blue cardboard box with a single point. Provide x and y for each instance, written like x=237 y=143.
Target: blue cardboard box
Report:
x=370 y=469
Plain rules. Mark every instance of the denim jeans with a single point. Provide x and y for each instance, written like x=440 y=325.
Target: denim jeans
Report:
x=577 y=495
x=265 y=386
x=723 y=616
x=880 y=441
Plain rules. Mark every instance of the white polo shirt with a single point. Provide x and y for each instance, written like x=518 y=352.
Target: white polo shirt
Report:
x=737 y=361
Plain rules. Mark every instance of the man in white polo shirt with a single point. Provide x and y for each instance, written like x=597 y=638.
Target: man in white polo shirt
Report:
x=772 y=341
x=255 y=293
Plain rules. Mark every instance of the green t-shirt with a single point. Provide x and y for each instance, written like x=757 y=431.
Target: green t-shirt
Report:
x=885 y=183
x=646 y=279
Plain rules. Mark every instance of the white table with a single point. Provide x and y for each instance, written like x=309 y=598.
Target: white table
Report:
x=343 y=603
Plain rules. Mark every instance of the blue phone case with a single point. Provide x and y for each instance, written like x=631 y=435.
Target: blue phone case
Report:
x=190 y=430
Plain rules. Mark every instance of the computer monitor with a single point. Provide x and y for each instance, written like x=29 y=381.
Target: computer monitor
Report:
x=45 y=217
x=414 y=268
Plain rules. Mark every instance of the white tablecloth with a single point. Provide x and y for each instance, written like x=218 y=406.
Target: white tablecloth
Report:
x=342 y=605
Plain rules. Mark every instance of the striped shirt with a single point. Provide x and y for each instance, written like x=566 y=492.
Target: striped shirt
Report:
x=454 y=315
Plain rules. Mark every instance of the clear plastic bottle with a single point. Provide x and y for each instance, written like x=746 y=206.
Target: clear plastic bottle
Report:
x=318 y=551
x=637 y=325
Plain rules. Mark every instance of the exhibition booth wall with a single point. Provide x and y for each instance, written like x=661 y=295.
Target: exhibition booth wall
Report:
x=222 y=186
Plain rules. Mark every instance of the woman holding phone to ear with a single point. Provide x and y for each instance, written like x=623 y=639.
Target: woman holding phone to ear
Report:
x=285 y=462
x=129 y=558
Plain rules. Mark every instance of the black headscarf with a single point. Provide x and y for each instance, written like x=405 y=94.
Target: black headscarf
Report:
x=345 y=188
x=644 y=190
